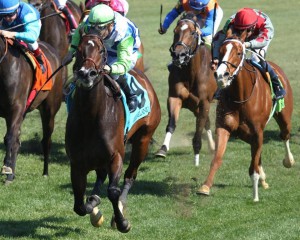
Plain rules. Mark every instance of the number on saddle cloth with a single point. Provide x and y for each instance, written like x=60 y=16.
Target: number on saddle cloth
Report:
x=143 y=108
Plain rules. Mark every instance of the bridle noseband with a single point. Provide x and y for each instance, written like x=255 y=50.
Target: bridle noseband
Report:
x=185 y=57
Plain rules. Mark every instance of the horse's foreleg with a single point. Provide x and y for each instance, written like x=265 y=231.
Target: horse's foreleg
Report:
x=221 y=143
x=114 y=193
x=174 y=105
x=79 y=181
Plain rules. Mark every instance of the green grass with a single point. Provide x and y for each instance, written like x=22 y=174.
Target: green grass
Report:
x=162 y=204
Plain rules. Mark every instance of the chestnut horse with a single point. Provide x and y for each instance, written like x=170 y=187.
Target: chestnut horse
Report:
x=244 y=108
x=191 y=83
x=16 y=80
x=95 y=133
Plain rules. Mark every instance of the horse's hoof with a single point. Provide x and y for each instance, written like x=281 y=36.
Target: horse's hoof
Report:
x=124 y=227
x=203 y=190
x=96 y=218
x=6 y=170
x=288 y=163
x=113 y=222
x=264 y=184
x=162 y=152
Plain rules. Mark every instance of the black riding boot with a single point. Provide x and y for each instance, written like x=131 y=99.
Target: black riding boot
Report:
x=38 y=55
x=277 y=88
x=70 y=17
x=131 y=97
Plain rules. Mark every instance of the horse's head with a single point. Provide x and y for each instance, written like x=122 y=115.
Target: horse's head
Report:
x=231 y=59
x=186 y=39
x=91 y=57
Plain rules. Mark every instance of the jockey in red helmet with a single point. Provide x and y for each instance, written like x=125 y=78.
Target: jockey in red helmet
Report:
x=260 y=32
x=120 y=6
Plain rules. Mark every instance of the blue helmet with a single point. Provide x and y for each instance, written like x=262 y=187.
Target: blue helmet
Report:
x=8 y=6
x=198 y=4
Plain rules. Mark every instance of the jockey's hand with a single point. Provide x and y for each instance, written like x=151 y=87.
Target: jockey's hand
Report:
x=67 y=59
x=247 y=44
x=161 y=30
x=107 y=69
x=214 y=64
x=7 y=34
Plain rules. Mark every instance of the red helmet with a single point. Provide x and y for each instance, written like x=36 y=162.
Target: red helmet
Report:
x=93 y=3
x=245 y=18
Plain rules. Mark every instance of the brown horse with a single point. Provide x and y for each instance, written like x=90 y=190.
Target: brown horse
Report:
x=244 y=109
x=15 y=86
x=95 y=133
x=191 y=83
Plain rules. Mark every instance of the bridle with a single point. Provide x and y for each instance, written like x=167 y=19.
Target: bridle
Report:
x=189 y=52
x=97 y=68
x=227 y=63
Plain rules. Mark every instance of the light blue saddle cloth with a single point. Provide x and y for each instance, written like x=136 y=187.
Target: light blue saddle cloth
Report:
x=143 y=108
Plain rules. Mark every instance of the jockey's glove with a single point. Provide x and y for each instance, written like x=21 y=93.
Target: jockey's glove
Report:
x=7 y=34
x=161 y=30
x=68 y=58
x=247 y=44
x=107 y=69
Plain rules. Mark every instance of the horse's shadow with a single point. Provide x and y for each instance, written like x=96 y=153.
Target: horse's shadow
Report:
x=15 y=229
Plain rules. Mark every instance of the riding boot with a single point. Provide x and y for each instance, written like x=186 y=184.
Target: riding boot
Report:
x=38 y=55
x=277 y=88
x=70 y=17
x=130 y=95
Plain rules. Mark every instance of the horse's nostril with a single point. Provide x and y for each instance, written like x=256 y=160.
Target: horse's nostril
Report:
x=216 y=75
x=81 y=73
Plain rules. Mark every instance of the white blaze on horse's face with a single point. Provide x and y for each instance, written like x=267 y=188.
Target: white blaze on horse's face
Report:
x=91 y=42
x=183 y=27
x=222 y=74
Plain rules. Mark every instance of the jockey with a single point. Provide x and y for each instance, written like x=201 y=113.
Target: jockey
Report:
x=61 y=5
x=14 y=13
x=121 y=39
x=120 y=6
x=260 y=32
x=204 y=9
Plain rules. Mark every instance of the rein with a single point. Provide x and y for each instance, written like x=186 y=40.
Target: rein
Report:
x=6 y=47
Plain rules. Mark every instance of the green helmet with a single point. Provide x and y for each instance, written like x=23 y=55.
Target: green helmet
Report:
x=101 y=15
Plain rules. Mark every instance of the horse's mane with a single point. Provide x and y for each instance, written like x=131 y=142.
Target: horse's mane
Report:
x=189 y=16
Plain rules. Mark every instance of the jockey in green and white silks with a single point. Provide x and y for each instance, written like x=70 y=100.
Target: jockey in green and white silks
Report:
x=121 y=39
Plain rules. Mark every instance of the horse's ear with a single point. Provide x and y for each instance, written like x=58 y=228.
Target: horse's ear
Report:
x=244 y=35
x=229 y=32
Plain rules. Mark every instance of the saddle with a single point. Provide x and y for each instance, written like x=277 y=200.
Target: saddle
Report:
x=41 y=82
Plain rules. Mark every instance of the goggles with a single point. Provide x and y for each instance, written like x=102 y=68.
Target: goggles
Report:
x=9 y=14
x=97 y=27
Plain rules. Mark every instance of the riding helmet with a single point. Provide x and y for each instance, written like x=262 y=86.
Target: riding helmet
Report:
x=8 y=6
x=198 y=5
x=101 y=15
x=245 y=18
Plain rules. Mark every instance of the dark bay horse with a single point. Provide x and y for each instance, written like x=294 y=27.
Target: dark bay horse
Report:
x=16 y=80
x=95 y=134
x=191 y=83
x=244 y=109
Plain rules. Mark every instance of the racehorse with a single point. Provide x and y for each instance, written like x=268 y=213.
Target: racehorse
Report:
x=191 y=83
x=53 y=29
x=95 y=133
x=15 y=86
x=244 y=108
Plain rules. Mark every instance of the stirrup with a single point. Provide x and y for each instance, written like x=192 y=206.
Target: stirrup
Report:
x=279 y=93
